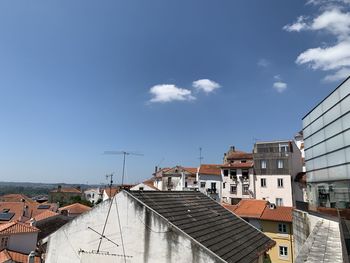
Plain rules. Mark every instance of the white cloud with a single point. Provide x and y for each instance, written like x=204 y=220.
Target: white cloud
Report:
x=169 y=92
x=297 y=26
x=338 y=75
x=326 y=58
x=277 y=77
x=205 y=85
x=280 y=86
x=335 y=57
x=264 y=63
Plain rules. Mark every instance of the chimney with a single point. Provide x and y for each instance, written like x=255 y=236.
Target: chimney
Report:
x=31 y=257
x=232 y=148
x=32 y=222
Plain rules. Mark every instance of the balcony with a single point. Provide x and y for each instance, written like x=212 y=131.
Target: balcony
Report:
x=211 y=190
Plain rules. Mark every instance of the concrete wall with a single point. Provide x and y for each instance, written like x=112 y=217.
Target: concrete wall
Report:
x=24 y=243
x=147 y=237
x=271 y=191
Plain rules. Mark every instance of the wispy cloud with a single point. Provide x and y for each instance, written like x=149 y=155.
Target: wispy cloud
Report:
x=263 y=62
x=168 y=92
x=206 y=85
x=280 y=86
x=335 y=57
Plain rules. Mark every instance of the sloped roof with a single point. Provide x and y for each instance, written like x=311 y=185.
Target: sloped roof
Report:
x=14 y=207
x=149 y=183
x=75 y=208
x=210 y=169
x=239 y=155
x=248 y=164
x=17 y=228
x=190 y=170
x=248 y=208
x=16 y=198
x=280 y=213
x=226 y=235
x=66 y=190
x=44 y=215
x=18 y=257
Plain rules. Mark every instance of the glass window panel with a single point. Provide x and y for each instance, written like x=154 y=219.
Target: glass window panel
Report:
x=317 y=125
x=337 y=173
x=319 y=149
x=332 y=114
x=306 y=121
x=344 y=89
x=309 y=165
x=320 y=162
x=317 y=137
x=346 y=121
x=330 y=100
x=347 y=153
x=316 y=113
x=307 y=132
x=345 y=105
x=335 y=143
x=333 y=128
x=336 y=158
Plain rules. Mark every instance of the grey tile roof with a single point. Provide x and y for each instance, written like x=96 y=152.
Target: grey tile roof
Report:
x=229 y=237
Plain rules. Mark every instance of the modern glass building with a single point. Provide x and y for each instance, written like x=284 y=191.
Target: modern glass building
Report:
x=326 y=130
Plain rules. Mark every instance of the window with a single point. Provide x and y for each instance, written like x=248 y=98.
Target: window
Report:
x=186 y=184
x=283 y=251
x=169 y=180
x=246 y=189
x=4 y=242
x=279 y=164
x=279 y=201
x=202 y=184
x=282 y=228
x=140 y=188
x=245 y=173
x=233 y=173
x=263 y=182
x=243 y=161
x=283 y=148
x=225 y=172
x=213 y=185
x=223 y=185
x=280 y=182
x=233 y=189
x=263 y=164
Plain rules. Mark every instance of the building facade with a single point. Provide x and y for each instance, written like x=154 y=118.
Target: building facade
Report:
x=326 y=131
x=177 y=178
x=276 y=164
x=210 y=181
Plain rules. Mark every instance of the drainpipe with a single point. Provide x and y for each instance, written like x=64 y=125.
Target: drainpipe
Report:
x=291 y=241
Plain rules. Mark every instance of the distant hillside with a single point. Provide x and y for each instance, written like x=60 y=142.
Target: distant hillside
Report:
x=33 y=189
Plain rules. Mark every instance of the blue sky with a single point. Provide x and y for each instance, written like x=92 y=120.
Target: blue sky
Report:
x=159 y=77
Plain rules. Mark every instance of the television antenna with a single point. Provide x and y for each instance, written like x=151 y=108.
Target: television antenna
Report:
x=124 y=153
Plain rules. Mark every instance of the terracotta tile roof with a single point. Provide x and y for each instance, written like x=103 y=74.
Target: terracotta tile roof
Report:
x=111 y=192
x=76 y=208
x=13 y=207
x=249 y=208
x=235 y=155
x=210 y=169
x=280 y=213
x=6 y=255
x=17 y=228
x=248 y=164
x=44 y=215
x=191 y=170
x=66 y=190
x=16 y=198
x=149 y=182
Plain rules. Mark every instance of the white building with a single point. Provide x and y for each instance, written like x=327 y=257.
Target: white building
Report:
x=93 y=195
x=210 y=181
x=276 y=164
x=177 y=178
x=168 y=226
x=147 y=185
x=19 y=237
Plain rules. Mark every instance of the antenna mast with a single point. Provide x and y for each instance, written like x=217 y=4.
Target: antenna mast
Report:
x=200 y=156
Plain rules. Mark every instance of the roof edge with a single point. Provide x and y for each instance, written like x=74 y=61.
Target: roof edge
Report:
x=177 y=228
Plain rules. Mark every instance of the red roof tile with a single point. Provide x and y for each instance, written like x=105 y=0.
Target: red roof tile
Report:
x=210 y=169
x=16 y=198
x=67 y=190
x=280 y=213
x=16 y=228
x=239 y=165
x=237 y=155
x=76 y=208
x=44 y=215
x=6 y=255
x=250 y=208
x=111 y=192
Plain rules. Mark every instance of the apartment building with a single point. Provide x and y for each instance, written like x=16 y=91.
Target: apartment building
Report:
x=238 y=180
x=276 y=163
